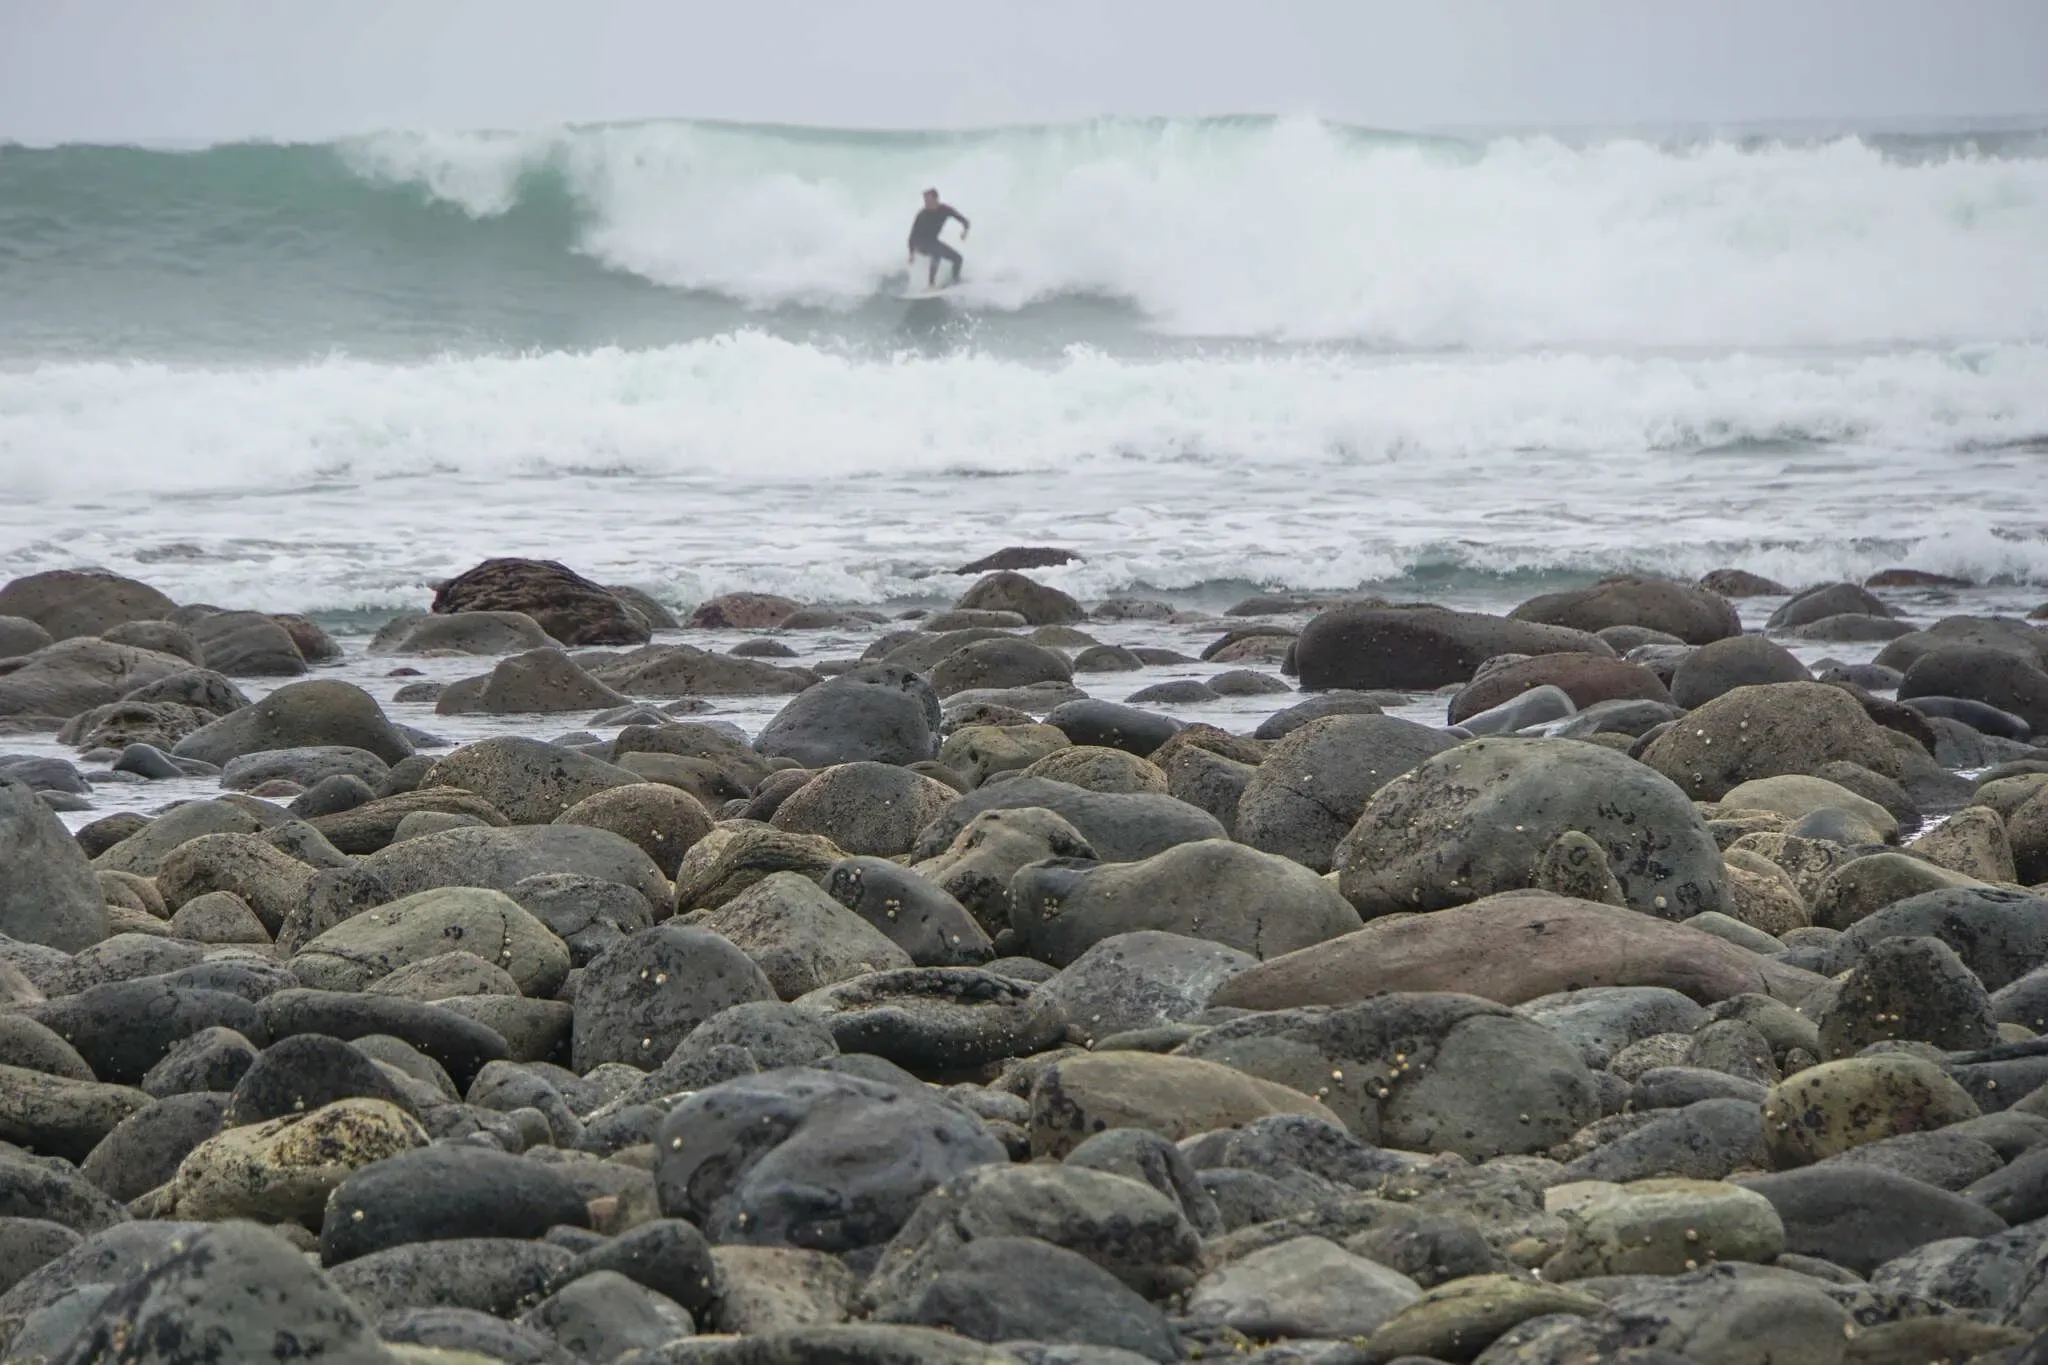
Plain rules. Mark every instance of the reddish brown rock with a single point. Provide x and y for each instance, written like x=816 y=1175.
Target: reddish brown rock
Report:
x=743 y=611
x=1914 y=578
x=1742 y=583
x=1585 y=678
x=568 y=606
x=1020 y=557
x=1512 y=948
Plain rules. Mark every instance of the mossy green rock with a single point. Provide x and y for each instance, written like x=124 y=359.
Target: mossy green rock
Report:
x=1458 y=1320
x=1836 y=1106
x=1660 y=1227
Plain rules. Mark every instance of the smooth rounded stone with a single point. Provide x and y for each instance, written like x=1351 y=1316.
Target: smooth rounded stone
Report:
x=1513 y=948
x=1694 y=614
x=29 y=1244
x=123 y=1028
x=1459 y=1319
x=1306 y=1287
x=318 y=712
x=331 y=796
x=73 y=677
x=1125 y=1226
x=531 y=782
x=1214 y=890
x=1151 y=1159
x=1797 y=796
x=60 y=1115
x=1860 y=1217
x=910 y=910
x=1675 y=1087
x=1718 y=668
x=937 y=1021
x=49 y=895
x=666 y=1255
x=1827 y=599
x=147 y=761
x=735 y=856
x=1991 y=676
x=1912 y=988
x=603 y=1315
x=1657 y=1050
x=1247 y=682
x=1972 y=842
x=143 y=1150
x=799 y=936
x=1178 y=692
x=2000 y=935
x=999 y=663
x=1629 y=718
x=1709 y=1139
x=213 y=1059
x=246 y=644
x=569 y=607
x=1602 y=1020
x=233 y=1292
x=472 y=1333
x=1418 y=646
x=543 y=681
x=879 y=714
x=30 y=1046
x=304 y=1072
x=663 y=821
x=1285 y=722
x=1539 y=706
x=1947 y=1159
x=441 y=1193
x=306 y=765
x=1659 y=1227
x=466 y=632
x=1476 y=819
x=1246 y=1199
x=1830 y=1108
x=1764 y=731
x=1007 y=590
x=761 y=1159
x=283 y=1170
x=1575 y=866
x=1718 y=1313
x=588 y=914
x=1093 y=768
x=460 y=1045
x=143 y=852
x=415 y=824
x=499 y=1276
x=628 y=1010
x=1140 y=980
x=1079 y=1096
x=1977 y=717
x=456 y=973
x=1117 y=826
x=983 y=857
x=1109 y=725
x=45 y=775
x=218 y=917
x=977 y=752
x=1209 y=781
x=376 y=824
x=499 y=859
x=763 y=1290
x=1735 y=1047
x=865 y=808
x=47 y=1189
x=489 y=924
x=20 y=637
x=1310 y=791
x=1532 y=684
x=999 y=1289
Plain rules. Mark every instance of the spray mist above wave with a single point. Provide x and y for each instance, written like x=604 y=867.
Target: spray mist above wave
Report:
x=1299 y=230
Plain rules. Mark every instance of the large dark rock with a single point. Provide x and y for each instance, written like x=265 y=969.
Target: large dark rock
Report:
x=319 y=711
x=77 y=675
x=1479 y=818
x=1767 y=731
x=1211 y=889
x=881 y=713
x=873 y=809
x=568 y=606
x=1109 y=725
x=502 y=858
x=911 y=910
x=687 y=671
x=640 y=999
x=1118 y=826
x=1023 y=1289
x=501 y=1276
x=1980 y=673
x=1694 y=614
x=1007 y=590
x=124 y=1028
x=72 y=602
x=143 y=1150
x=441 y=1193
x=1315 y=783
x=1418 y=647
x=1828 y=599
x=460 y=1045
x=49 y=893
x=59 y=1115
x=247 y=644
x=1738 y=661
x=813 y=1159
x=531 y=782
x=468 y=632
x=937 y=1022
x=544 y=681
x=999 y=663
x=236 y=1292
x=2000 y=935
x=1859 y=1217
x=299 y=1074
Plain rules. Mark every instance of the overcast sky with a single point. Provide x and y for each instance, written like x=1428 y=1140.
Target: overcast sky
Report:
x=109 y=70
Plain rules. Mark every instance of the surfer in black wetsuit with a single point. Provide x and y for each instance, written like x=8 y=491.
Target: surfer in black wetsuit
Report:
x=924 y=237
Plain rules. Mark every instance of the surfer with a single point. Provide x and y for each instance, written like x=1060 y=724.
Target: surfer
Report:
x=924 y=237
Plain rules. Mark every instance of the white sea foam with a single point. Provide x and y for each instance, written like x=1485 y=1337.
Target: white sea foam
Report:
x=1299 y=230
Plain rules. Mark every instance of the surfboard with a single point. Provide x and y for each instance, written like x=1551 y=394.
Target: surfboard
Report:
x=912 y=293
